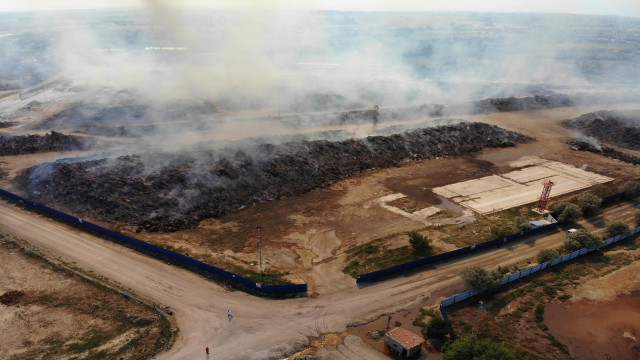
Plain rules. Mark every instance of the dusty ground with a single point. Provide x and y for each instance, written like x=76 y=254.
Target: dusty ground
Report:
x=586 y=309
x=49 y=312
x=602 y=318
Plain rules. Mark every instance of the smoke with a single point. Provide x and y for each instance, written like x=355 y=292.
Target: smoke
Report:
x=577 y=135
x=213 y=74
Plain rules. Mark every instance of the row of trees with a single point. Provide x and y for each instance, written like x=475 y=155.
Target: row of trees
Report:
x=588 y=204
x=584 y=205
x=479 y=279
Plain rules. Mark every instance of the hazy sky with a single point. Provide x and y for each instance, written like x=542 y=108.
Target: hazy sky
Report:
x=604 y=7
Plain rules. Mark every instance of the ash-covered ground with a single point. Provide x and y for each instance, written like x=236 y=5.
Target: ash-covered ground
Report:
x=620 y=128
x=31 y=144
x=172 y=191
x=604 y=151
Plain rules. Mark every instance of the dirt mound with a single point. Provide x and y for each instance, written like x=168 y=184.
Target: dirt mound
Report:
x=12 y=297
x=604 y=151
x=30 y=144
x=128 y=116
x=621 y=128
x=7 y=124
x=521 y=103
x=484 y=106
x=172 y=191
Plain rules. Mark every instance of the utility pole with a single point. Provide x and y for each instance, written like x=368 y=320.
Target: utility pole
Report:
x=259 y=229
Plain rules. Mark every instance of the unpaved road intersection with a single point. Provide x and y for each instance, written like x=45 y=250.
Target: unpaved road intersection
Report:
x=260 y=328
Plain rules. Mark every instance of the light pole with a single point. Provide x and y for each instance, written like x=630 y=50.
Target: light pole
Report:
x=259 y=229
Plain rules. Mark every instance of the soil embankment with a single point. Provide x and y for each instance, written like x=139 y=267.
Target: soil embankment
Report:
x=31 y=144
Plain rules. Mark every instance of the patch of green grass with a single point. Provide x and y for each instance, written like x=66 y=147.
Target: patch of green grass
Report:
x=562 y=347
x=95 y=339
x=539 y=313
x=383 y=259
x=564 y=297
x=142 y=322
x=549 y=291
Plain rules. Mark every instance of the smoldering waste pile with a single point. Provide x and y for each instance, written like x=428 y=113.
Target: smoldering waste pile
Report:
x=604 y=151
x=30 y=144
x=621 y=128
x=171 y=191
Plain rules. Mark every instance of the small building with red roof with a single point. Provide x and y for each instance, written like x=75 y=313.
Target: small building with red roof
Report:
x=403 y=342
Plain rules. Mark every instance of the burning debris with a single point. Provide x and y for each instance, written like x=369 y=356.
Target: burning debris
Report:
x=172 y=191
x=604 y=151
x=621 y=128
x=30 y=144
x=526 y=103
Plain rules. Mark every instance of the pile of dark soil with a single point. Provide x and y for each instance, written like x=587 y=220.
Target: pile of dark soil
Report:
x=621 y=128
x=6 y=124
x=172 y=191
x=604 y=151
x=125 y=117
x=30 y=144
x=527 y=103
x=12 y=297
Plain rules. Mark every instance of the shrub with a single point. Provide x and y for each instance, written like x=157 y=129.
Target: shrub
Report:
x=631 y=189
x=479 y=279
x=437 y=328
x=474 y=347
x=421 y=245
x=557 y=208
x=617 y=228
x=582 y=239
x=545 y=255
x=589 y=203
x=570 y=213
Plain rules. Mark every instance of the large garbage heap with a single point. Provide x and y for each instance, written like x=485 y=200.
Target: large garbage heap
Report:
x=172 y=191
x=621 y=128
x=30 y=144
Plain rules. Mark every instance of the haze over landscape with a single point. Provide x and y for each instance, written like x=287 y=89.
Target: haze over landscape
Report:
x=301 y=150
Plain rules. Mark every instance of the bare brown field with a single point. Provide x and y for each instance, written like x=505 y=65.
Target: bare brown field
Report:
x=50 y=312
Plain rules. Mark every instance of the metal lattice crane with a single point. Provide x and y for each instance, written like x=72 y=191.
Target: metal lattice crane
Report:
x=544 y=197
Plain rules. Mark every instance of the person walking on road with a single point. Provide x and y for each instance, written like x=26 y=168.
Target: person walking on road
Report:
x=229 y=314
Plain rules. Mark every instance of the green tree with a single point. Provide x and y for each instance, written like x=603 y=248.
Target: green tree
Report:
x=589 y=203
x=545 y=255
x=473 y=347
x=522 y=224
x=617 y=228
x=479 y=279
x=421 y=244
x=437 y=328
x=582 y=239
x=570 y=213
x=557 y=208
x=631 y=189
x=503 y=230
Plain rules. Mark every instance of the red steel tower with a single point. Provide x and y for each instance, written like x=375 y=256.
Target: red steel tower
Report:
x=544 y=197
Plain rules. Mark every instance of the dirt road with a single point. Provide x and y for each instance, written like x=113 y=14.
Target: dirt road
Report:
x=259 y=327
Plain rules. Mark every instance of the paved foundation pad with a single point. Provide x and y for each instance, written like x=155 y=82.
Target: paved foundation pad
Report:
x=499 y=192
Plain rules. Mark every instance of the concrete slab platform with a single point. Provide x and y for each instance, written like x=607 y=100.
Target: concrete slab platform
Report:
x=499 y=192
